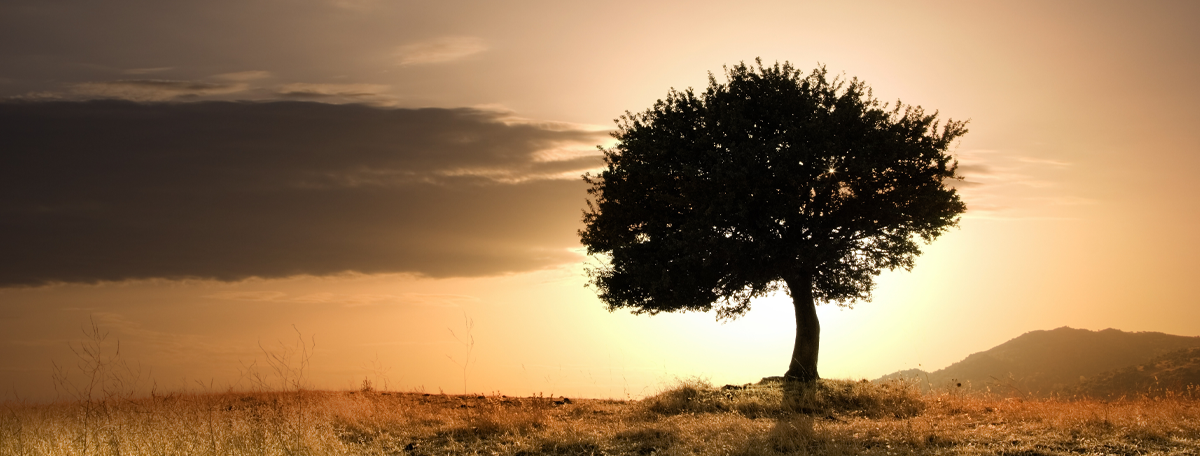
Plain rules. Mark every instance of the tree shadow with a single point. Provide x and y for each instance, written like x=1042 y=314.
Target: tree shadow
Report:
x=809 y=413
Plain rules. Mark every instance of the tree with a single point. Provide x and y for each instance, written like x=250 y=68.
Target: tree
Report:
x=773 y=179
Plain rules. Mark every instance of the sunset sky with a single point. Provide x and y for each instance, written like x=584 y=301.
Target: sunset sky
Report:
x=205 y=178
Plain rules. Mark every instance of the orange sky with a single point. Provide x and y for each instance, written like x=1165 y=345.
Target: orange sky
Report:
x=382 y=226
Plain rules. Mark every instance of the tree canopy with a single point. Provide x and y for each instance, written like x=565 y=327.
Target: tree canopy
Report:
x=772 y=178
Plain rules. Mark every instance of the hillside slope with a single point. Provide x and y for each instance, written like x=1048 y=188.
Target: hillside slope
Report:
x=1171 y=373
x=1054 y=361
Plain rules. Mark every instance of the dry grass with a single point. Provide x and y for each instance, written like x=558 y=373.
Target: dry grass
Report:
x=833 y=417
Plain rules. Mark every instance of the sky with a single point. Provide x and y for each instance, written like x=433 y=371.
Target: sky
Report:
x=397 y=185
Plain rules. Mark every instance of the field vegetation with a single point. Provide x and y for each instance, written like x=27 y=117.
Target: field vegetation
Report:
x=689 y=418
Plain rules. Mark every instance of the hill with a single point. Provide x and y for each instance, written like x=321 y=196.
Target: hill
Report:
x=1057 y=361
x=1170 y=373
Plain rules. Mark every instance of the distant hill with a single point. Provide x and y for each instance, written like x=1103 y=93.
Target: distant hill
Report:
x=1058 y=361
x=1164 y=374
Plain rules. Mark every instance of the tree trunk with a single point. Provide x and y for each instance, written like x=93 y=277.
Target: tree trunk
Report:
x=808 y=331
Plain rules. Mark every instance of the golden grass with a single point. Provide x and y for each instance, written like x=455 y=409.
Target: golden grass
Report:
x=692 y=418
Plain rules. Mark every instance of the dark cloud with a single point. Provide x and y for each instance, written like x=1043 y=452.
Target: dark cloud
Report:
x=333 y=93
x=155 y=89
x=978 y=169
x=113 y=190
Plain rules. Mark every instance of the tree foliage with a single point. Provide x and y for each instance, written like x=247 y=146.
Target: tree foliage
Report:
x=773 y=176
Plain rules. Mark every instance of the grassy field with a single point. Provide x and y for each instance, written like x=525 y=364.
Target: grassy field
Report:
x=833 y=417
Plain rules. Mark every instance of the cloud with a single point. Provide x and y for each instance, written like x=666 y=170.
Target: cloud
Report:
x=154 y=89
x=342 y=90
x=355 y=5
x=362 y=93
x=1041 y=161
x=1004 y=185
x=1066 y=200
x=244 y=75
x=960 y=183
x=136 y=71
x=975 y=169
x=349 y=300
x=440 y=50
x=236 y=86
x=253 y=296
x=112 y=190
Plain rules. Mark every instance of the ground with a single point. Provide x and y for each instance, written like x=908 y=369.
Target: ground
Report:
x=692 y=418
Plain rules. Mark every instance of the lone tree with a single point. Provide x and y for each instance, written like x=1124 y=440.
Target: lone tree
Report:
x=774 y=178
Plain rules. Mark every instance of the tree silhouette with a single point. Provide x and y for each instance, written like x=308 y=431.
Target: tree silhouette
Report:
x=774 y=178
